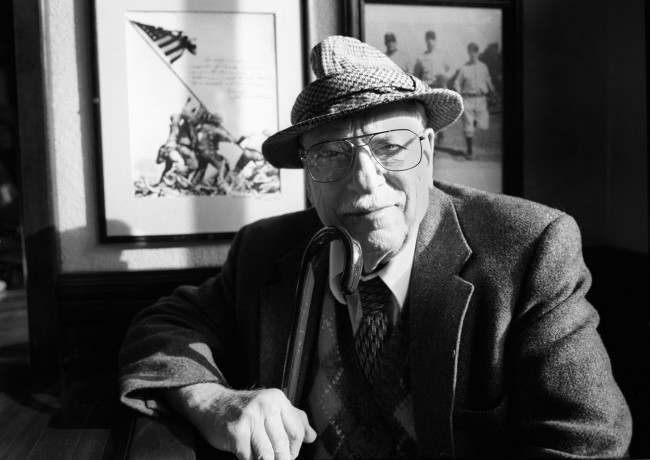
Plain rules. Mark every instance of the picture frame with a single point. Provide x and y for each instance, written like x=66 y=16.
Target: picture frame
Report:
x=491 y=125
x=186 y=91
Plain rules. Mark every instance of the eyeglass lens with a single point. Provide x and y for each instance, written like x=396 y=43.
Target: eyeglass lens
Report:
x=396 y=150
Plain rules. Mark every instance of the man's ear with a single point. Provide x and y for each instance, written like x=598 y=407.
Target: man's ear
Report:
x=428 y=144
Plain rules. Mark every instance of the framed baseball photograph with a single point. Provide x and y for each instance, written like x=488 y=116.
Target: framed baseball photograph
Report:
x=469 y=47
x=187 y=91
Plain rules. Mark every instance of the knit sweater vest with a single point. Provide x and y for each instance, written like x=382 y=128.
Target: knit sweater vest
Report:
x=353 y=419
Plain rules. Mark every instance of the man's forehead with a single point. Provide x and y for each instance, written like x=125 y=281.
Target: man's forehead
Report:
x=407 y=115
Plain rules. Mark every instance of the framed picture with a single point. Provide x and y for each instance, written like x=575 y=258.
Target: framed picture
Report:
x=470 y=47
x=187 y=91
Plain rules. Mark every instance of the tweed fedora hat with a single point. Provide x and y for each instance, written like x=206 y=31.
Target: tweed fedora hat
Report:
x=352 y=76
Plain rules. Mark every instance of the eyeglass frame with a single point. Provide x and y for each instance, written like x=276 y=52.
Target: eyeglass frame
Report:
x=303 y=152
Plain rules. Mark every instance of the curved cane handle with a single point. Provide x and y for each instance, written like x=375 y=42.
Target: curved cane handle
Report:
x=307 y=312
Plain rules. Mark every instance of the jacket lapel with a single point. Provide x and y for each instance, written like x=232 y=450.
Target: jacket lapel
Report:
x=439 y=298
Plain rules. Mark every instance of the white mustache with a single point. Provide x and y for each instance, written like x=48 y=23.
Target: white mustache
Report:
x=369 y=203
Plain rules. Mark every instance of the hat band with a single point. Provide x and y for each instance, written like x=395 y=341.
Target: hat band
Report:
x=334 y=92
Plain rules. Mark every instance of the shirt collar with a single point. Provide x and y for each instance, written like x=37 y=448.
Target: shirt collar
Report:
x=395 y=274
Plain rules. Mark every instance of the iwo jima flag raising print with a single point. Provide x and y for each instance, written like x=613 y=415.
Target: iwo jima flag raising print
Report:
x=187 y=92
x=195 y=157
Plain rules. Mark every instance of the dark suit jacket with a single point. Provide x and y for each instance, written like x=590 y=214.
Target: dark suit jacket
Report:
x=505 y=356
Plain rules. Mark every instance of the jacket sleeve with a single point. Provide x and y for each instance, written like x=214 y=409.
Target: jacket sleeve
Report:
x=182 y=339
x=566 y=402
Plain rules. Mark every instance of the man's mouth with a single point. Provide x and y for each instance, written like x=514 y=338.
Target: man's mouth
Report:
x=365 y=212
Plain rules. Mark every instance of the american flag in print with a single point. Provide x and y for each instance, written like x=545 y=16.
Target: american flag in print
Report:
x=172 y=43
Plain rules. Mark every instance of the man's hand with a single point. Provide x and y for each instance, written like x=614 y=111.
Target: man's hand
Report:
x=252 y=424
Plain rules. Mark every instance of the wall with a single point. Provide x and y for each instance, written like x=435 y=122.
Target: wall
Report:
x=585 y=136
x=627 y=143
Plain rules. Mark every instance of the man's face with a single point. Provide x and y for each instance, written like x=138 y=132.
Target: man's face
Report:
x=380 y=208
x=391 y=46
x=431 y=43
x=473 y=55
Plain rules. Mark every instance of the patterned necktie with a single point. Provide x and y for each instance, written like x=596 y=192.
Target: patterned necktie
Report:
x=373 y=328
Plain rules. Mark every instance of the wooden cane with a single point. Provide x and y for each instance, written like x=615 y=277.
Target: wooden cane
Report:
x=307 y=312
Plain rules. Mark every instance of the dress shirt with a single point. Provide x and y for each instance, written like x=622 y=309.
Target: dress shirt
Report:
x=395 y=274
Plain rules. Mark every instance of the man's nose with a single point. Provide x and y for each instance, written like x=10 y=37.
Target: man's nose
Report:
x=366 y=173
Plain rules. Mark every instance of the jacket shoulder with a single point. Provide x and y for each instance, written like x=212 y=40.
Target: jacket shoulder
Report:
x=503 y=224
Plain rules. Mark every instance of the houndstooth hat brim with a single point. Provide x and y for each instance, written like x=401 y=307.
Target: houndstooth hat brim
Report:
x=353 y=77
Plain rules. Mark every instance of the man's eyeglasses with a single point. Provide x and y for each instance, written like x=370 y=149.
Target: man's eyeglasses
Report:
x=394 y=150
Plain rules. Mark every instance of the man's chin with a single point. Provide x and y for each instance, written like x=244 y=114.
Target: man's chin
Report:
x=380 y=245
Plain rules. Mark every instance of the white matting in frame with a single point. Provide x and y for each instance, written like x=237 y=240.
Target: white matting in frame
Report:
x=188 y=91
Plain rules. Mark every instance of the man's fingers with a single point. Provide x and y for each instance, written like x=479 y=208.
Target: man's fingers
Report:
x=261 y=447
x=295 y=430
x=241 y=441
x=278 y=436
x=310 y=433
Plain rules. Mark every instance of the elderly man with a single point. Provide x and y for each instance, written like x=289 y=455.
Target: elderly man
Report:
x=472 y=336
